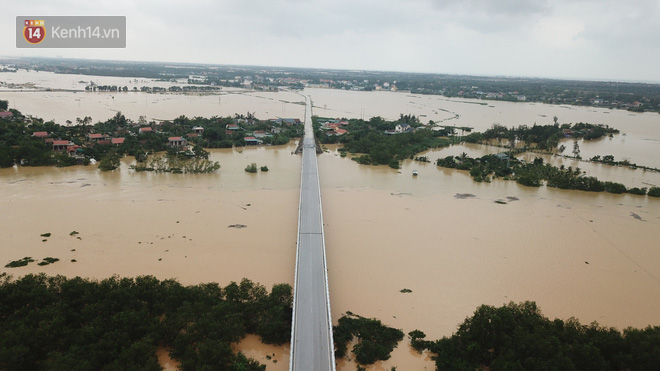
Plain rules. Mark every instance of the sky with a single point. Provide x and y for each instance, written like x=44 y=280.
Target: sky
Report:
x=575 y=39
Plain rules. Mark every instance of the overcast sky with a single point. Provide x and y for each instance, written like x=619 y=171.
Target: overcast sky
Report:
x=583 y=39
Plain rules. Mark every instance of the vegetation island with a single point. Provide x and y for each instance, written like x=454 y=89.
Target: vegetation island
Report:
x=544 y=139
x=169 y=146
x=177 y=146
x=381 y=142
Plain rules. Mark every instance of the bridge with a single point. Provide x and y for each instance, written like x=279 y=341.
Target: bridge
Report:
x=311 y=331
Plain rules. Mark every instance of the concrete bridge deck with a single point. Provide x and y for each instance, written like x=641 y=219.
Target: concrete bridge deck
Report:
x=311 y=331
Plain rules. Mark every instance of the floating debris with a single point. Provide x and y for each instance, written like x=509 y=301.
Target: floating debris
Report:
x=48 y=260
x=462 y=196
x=512 y=198
x=636 y=216
x=237 y=226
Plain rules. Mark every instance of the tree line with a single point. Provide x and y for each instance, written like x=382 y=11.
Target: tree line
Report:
x=369 y=138
x=520 y=337
x=543 y=137
x=535 y=173
x=53 y=323
x=19 y=146
x=59 y=323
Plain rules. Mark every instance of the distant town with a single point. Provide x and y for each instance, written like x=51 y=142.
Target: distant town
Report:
x=636 y=97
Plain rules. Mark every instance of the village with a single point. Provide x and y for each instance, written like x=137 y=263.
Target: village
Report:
x=32 y=142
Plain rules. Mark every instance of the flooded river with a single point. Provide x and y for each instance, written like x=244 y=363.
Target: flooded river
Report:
x=594 y=256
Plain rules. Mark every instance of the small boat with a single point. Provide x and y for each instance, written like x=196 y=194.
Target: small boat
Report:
x=414 y=172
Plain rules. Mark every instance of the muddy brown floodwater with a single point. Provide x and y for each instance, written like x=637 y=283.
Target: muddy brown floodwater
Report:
x=593 y=256
x=575 y=253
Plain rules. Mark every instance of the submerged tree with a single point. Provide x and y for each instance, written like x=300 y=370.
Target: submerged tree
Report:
x=576 y=149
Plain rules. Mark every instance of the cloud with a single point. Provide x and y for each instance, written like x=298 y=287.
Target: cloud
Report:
x=499 y=37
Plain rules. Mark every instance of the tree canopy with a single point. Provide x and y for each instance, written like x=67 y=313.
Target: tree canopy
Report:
x=59 y=323
x=519 y=337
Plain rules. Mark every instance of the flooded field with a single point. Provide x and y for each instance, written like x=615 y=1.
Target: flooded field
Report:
x=593 y=256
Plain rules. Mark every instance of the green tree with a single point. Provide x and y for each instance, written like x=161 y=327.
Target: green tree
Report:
x=111 y=161
x=576 y=149
x=654 y=192
x=252 y=168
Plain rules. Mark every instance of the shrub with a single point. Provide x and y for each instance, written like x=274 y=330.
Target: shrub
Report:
x=109 y=162
x=48 y=260
x=264 y=168
x=654 y=192
x=529 y=180
x=637 y=191
x=19 y=263
x=252 y=168
x=613 y=187
x=375 y=340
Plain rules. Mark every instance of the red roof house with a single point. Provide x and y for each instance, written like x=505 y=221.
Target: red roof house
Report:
x=60 y=145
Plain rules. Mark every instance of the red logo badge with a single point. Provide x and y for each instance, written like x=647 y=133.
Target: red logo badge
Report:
x=34 y=31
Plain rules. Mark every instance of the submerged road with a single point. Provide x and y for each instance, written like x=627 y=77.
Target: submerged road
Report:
x=311 y=331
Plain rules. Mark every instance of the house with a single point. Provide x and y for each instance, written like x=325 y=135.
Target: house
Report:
x=331 y=126
x=502 y=156
x=192 y=135
x=276 y=130
x=74 y=150
x=40 y=134
x=244 y=121
x=117 y=141
x=96 y=137
x=285 y=121
x=145 y=130
x=259 y=134
x=198 y=129
x=232 y=127
x=336 y=132
x=252 y=141
x=4 y=115
x=390 y=132
x=61 y=145
x=403 y=128
x=177 y=141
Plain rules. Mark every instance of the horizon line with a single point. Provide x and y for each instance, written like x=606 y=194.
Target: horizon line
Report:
x=556 y=78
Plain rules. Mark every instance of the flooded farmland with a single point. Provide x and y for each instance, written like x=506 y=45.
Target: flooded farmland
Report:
x=593 y=256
